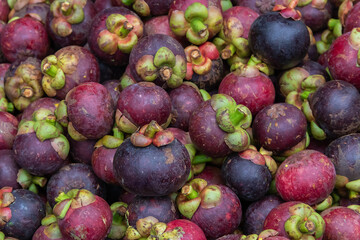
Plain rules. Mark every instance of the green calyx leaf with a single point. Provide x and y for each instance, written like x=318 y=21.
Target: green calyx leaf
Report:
x=146 y=69
x=196 y=11
x=164 y=57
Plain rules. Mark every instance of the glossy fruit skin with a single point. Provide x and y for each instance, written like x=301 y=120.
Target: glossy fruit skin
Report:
x=184 y=99
x=37 y=10
x=255 y=93
x=27 y=211
x=8 y=129
x=342 y=47
x=307 y=176
x=222 y=219
x=151 y=170
x=250 y=181
x=113 y=87
x=279 y=42
x=352 y=18
x=278 y=216
x=191 y=230
x=344 y=153
x=102 y=164
x=256 y=213
x=328 y=106
x=78 y=225
x=212 y=143
x=98 y=118
x=37 y=157
x=341 y=223
x=212 y=175
x=24 y=37
x=162 y=208
x=316 y=17
x=80 y=31
x=211 y=80
x=8 y=169
x=160 y=25
x=4 y=10
x=143 y=102
x=279 y=126
x=74 y=176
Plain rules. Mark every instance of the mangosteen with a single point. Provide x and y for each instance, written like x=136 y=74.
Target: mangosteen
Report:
x=145 y=8
x=152 y=162
x=8 y=129
x=8 y=169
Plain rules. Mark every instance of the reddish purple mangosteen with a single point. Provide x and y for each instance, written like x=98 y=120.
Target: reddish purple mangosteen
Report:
x=160 y=25
x=180 y=135
x=8 y=130
x=102 y=4
x=49 y=229
x=145 y=8
x=214 y=208
x=152 y=162
x=81 y=151
x=160 y=59
x=341 y=223
x=73 y=209
x=196 y=20
x=162 y=208
x=4 y=10
x=113 y=34
x=42 y=103
x=232 y=40
x=347 y=45
x=21 y=212
x=66 y=69
x=352 y=18
x=212 y=175
x=310 y=188
x=23 y=38
x=103 y=156
x=250 y=87
x=69 y=22
x=141 y=103
x=87 y=111
x=295 y=220
x=114 y=89
x=218 y=126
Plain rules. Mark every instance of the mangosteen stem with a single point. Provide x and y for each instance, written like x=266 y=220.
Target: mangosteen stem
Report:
x=152 y=129
x=27 y=92
x=118 y=133
x=198 y=26
x=228 y=51
x=201 y=158
x=307 y=226
x=165 y=73
x=189 y=192
x=50 y=69
x=196 y=57
x=65 y=8
x=125 y=29
x=305 y=95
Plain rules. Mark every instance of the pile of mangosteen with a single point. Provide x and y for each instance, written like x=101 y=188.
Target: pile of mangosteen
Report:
x=179 y=119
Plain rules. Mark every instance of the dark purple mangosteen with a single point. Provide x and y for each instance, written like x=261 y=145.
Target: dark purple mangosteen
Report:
x=162 y=208
x=145 y=8
x=81 y=151
x=8 y=169
x=114 y=89
x=8 y=130
x=41 y=103
x=38 y=11
x=152 y=162
x=74 y=176
x=160 y=59
x=20 y=213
